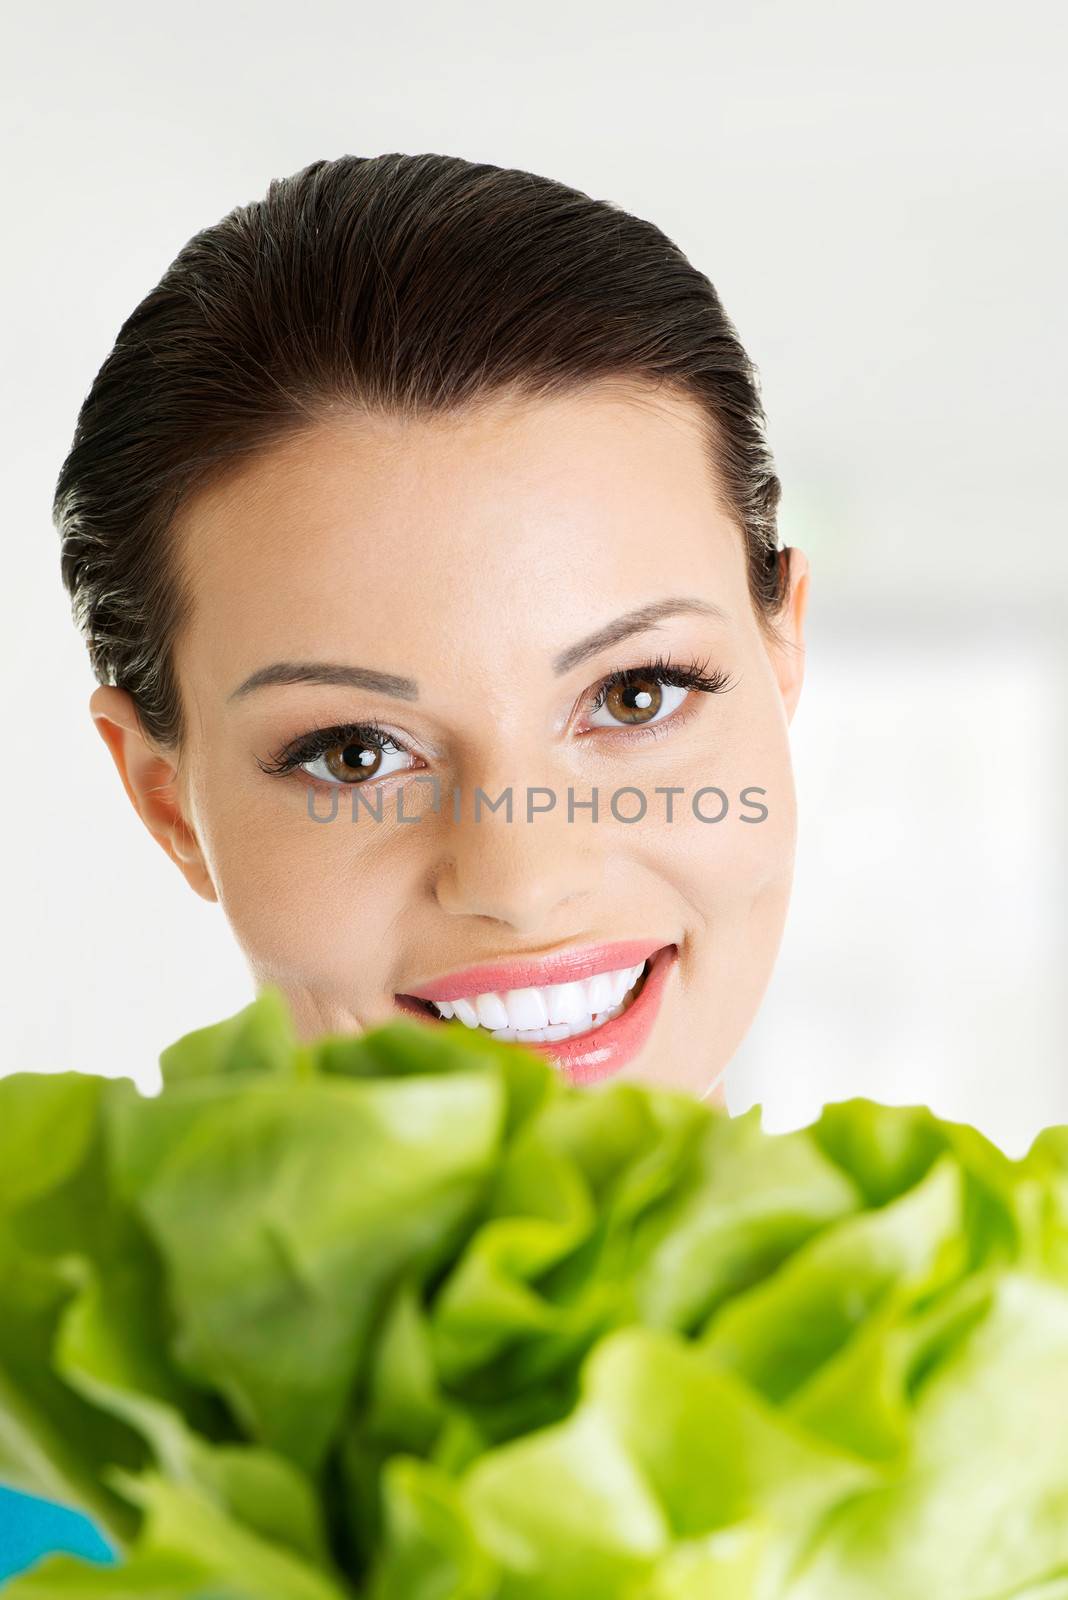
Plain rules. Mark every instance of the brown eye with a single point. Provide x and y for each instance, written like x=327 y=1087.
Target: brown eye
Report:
x=352 y=763
x=349 y=754
x=637 y=701
x=640 y=696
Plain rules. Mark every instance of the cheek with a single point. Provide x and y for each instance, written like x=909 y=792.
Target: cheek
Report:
x=308 y=901
x=728 y=869
x=745 y=780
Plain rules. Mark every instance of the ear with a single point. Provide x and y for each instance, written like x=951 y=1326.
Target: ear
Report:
x=788 y=658
x=151 y=781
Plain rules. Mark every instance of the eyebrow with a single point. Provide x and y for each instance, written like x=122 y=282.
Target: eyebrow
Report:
x=285 y=672
x=388 y=683
x=639 y=621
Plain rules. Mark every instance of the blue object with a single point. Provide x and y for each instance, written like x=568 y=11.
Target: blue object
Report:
x=31 y=1528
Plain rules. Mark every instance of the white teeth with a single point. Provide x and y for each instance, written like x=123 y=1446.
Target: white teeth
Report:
x=466 y=1013
x=527 y=1008
x=557 y=1011
x=621 y=982
x=566 y=1002
x=491 y=1011
x=561 y=1030
x=601 y=992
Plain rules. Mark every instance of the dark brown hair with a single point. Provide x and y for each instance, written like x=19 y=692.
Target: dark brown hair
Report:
x=410 y=284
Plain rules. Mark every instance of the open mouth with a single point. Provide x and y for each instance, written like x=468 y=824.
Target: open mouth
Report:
x=545 y=1015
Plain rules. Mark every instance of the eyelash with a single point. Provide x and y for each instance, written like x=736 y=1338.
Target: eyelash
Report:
x=690 y=675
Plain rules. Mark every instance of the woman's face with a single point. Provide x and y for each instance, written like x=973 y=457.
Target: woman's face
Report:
x=467 y=586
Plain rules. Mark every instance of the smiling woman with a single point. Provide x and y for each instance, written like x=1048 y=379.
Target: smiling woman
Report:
x=444 y=482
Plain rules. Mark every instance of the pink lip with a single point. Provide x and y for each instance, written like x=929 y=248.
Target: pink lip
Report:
x=590 y=1056
x=607 y=1049
x=569 y=966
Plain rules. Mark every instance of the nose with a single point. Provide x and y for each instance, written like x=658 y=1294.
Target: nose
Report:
x=519 y=872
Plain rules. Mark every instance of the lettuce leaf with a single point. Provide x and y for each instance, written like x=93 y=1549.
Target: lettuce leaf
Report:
x=403 y=1316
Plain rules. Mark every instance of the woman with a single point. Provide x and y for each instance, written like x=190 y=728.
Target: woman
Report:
x=424 y=477
x=447 y=485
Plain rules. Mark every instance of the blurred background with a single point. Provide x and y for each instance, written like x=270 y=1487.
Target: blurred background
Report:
x=880 y=196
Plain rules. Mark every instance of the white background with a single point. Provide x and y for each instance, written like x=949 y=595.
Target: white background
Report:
x=879 y=194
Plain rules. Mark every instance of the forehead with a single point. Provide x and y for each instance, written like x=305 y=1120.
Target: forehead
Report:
x=537 y=518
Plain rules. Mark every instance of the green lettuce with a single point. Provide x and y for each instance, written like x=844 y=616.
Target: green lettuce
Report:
x=404 y=1316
